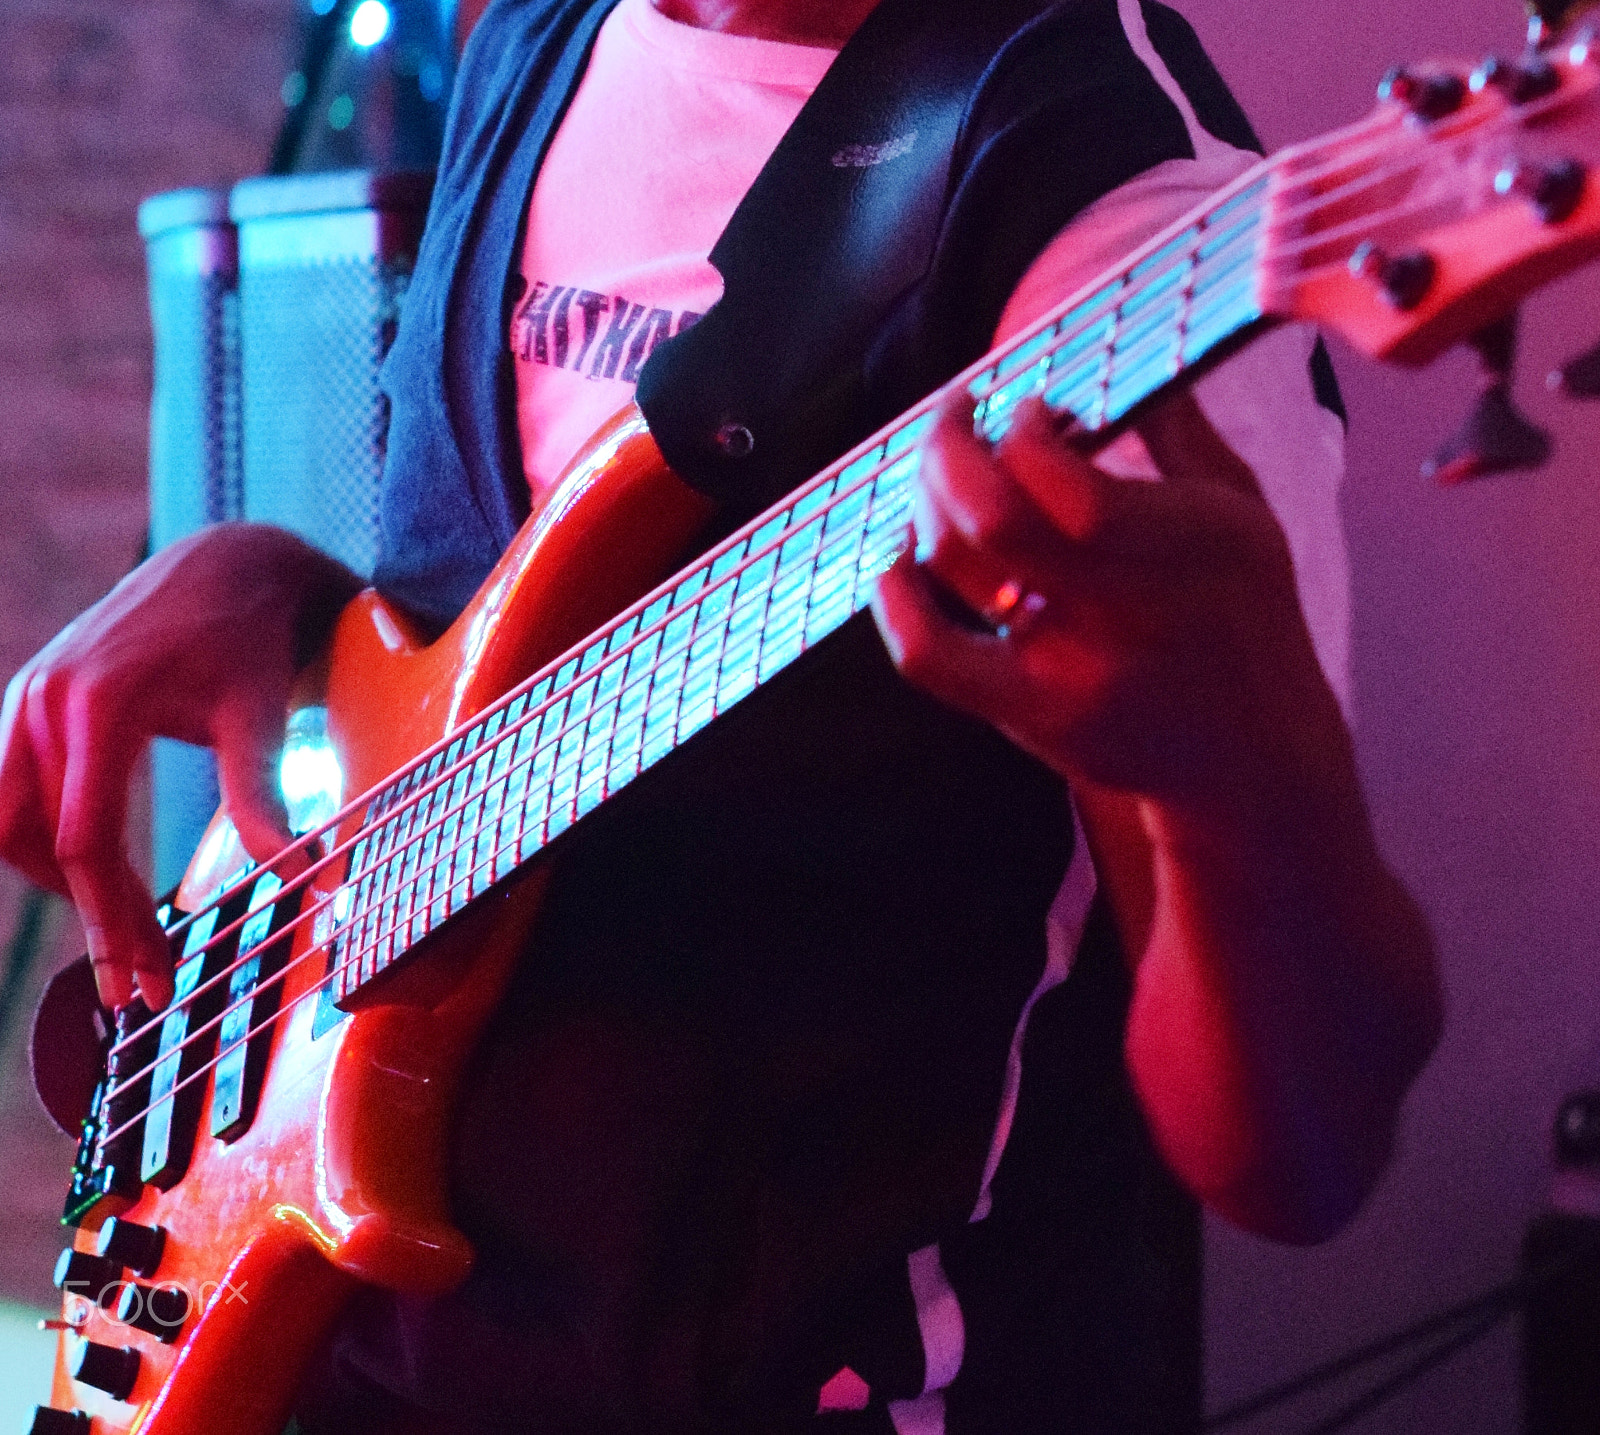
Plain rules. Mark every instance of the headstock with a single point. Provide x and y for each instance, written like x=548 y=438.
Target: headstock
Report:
x=1465 y=191
x=1427 y=223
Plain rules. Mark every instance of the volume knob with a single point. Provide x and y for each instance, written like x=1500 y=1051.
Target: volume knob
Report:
x=109 y=1368
x=129 y=1244
x=90 y=1276
x=156 y=1310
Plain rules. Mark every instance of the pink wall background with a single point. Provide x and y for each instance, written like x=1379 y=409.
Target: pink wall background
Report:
x=1477 y=654
x=101 y=104
x=1477 y=675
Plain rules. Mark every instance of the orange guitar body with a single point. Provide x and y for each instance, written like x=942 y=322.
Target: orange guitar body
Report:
x=341 y=1176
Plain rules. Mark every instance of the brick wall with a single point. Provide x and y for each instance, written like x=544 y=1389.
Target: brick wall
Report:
x=101 y=104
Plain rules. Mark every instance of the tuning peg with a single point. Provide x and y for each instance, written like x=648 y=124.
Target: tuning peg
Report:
x=1579 y=378
x=1429 y=96
x=1547 y=19
x=1496 y=438
x=1530 y=78
x=1552 y=187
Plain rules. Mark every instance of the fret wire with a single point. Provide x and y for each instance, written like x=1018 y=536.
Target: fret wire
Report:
x=428 y=851
x=525 y=782
x=1103 y=385
x=753 y=616
x=384 y=849
x=407 y=925
x=752 y=664
x=860 y=543
x=478 y=788
x=410 y=873
x=826 y=559
x=509 y=801
x=395 y=868
x=366 y=938
x=494 y=782
x=550 y=741
x=450 y=831
x=751 y=612
x=471 y=809
x=697 y=704
x=725 y=627
x=820 y=492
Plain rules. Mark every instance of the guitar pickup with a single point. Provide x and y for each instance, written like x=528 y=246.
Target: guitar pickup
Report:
x=254 y=994
x=176 y=1086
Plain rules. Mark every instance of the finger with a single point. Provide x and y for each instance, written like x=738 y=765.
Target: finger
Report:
x=1073 y=495
x=126 y=943
x=44 y=711
x=1188 y=450
x=27 y=840
x=1100 y=516
x=970 y=671
x=247 y=741
x=971 y=496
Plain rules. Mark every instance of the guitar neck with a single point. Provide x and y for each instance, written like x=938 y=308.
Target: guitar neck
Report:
x=576 y=734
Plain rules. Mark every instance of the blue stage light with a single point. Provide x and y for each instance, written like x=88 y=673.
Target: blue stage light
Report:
x=370 y=23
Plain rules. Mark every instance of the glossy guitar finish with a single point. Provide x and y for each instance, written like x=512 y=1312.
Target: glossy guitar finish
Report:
x=341 y=1176
x=1404 y=232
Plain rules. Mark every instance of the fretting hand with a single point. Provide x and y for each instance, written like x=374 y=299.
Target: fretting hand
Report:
x=1156 y=645
x=1155 y=654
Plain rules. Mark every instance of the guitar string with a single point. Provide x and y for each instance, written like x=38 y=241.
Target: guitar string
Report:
x=355 y=953
x=392 y=818
x=1219 y=259
x=486 y=863
x=470 y=757
x=1109 y=293
x=396 y=816
x=544 y=744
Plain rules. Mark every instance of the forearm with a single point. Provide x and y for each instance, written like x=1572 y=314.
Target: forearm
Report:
x=1285 y=1001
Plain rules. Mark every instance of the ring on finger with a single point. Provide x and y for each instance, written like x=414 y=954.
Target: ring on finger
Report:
x=1013 y=609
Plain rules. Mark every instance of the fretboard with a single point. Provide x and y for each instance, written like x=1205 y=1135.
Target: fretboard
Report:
x=569 y=739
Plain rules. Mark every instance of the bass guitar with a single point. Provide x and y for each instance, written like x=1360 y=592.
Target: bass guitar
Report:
x=278 y=1133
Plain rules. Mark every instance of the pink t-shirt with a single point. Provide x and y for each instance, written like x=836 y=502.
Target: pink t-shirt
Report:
x=669 y=128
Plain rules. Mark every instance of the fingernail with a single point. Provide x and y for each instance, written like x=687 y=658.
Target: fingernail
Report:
x=156 y=991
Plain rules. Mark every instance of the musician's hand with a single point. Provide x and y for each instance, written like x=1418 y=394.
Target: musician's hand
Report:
x=201 y=644
x=1159 y=647
x=1286 y=993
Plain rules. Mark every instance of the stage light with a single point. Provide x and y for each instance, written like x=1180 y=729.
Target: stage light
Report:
x=370 y=23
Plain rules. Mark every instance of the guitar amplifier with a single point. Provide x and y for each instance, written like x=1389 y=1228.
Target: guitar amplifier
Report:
x=192 y=255
x=324 y=260
x=272 y=309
